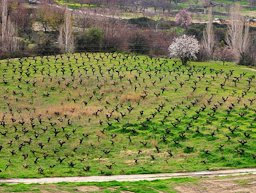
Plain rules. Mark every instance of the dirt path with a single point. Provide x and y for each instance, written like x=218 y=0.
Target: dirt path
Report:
x=239 y=184
x=251 y=69
x=130 y=178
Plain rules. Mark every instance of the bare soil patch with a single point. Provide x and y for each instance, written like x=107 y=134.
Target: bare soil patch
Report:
x=88 y=189
x=241 y=184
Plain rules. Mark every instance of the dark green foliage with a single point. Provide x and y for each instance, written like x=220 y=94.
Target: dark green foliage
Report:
x=142 y=22
x=195 y=30
x=47 y=46
x=247 y=59
x=220 y=32
x=90 y=40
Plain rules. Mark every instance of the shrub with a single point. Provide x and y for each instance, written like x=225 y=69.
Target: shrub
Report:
x=17 y=54
x=90 y=40
x=139 y=44
x=220 y=33
x=195 y=30
x=246 y=59
x=112 y=44
x=202 y=55
x=142 y=22
x=224 y=54
x=47 y=46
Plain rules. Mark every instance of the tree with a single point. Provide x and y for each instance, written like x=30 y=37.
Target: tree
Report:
x=66 y=38
x=9 y=39
x=82 y=21
x=49 y=16
x=183 y=18
x=115 y=34
x=224 y=54
x=185 y=48
x=21 y=16
x=4 y=19
x=252 y=2
x=238 y=38
x=46 y=45
x=208 y=34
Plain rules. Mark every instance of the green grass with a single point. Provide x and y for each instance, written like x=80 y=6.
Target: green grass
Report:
x=73 y=4
x=81 y=98
x=115 y=187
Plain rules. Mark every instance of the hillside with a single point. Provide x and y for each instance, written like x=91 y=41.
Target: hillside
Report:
x=99 y=114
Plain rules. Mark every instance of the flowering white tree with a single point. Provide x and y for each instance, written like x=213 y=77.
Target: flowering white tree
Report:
x=183 y=18
x=185 y=48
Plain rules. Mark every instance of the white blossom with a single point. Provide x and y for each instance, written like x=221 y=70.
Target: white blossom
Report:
x=185 y=48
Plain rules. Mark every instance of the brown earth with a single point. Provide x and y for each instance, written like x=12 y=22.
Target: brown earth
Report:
x=239 y=184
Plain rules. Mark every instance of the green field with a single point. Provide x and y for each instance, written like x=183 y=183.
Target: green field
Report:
x=111 y=113
x=107 y=187
x=73 y=4
x=236 y=183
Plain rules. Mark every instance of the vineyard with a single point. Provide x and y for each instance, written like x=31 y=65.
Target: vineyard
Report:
x=111 y=113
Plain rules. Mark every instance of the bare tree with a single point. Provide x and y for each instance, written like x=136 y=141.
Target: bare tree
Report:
x=9 y=40
x=4 y=18
x=66 y=38
x=50 y=17
x=115 y=33
x=238 y=37
x=82 y=20
x=208 y=34
x=252 y=2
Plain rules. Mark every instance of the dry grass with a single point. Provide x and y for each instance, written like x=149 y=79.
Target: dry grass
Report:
x=130 y=97
x=73 y=110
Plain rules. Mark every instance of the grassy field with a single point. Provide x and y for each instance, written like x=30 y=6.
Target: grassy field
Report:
x=244 y=183
x=103 y=114
x=73 y=4
x=107 y=187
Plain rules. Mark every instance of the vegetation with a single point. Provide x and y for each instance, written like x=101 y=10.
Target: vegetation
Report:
x=111 y=113
x=74 y=4
x=224 y=183
x=185 y=48
x=144 y=27
x=149 y=187
x=90 y=40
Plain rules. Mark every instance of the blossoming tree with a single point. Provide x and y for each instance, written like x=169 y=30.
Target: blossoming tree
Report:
x=185 y=48
x=183 y=18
